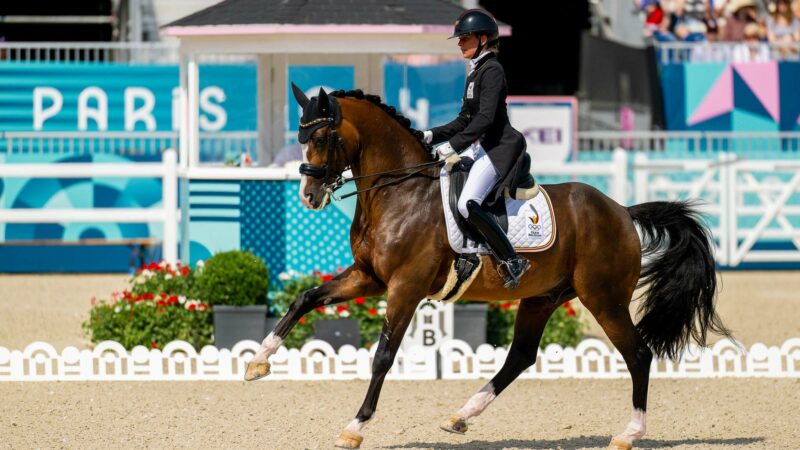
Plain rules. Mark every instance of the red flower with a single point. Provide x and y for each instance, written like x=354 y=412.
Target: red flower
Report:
x=161 y=303
x=320 y=309
x=202 y=307
x=172 y=299
x=341 y=308
x=302 y=320
x=566 y=305
x=163 y=295
x=570 y=312
x=192 y=307
x=360 y=300
x=127 y=295
x=185 y=270
x=506 y=305
x=373 y=312
x=154 y=344
x=148 y=296
x=326 y=278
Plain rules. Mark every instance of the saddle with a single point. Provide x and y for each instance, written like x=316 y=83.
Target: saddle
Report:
x=467 y=265
x=523 y=187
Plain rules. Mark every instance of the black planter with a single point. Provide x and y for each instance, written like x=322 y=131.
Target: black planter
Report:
x=338 y=332
x=238 y=323
x=469 y=323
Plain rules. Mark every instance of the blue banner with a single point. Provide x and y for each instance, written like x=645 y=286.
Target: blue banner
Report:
x=116 y=97
x=429 y=95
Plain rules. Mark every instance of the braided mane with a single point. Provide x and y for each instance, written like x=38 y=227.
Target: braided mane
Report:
x=390 y=110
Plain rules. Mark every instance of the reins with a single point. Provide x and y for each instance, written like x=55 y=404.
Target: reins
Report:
x=324 y=172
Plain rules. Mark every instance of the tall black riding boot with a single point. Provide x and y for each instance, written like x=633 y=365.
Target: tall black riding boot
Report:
x=499 y=244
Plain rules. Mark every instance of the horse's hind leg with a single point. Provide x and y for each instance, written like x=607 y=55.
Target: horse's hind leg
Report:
x=531 y=319
x=611 y=312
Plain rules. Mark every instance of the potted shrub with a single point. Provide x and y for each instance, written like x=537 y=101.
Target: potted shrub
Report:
x=235 y=284
x=357 y=322
x=159 y=307
x=470 y=322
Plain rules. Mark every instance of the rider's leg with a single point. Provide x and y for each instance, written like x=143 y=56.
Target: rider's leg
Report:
x=482 y=178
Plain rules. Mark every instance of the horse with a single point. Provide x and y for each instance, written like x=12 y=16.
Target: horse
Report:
x=400 y=246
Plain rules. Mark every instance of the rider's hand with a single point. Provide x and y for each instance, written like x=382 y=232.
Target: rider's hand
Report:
x=445 y=150
x=427 y=135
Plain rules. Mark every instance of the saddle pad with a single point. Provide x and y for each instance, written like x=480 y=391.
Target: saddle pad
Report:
x=531 y=224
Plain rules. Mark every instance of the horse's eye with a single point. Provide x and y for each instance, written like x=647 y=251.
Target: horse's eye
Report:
x=319 y=142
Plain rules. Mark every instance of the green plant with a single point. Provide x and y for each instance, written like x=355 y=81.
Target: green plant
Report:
x=236 y=278
x=565 y=326
x=369 y=311
x=154 y=312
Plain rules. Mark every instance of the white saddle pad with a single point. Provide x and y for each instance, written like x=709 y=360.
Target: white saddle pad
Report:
x=531 y=225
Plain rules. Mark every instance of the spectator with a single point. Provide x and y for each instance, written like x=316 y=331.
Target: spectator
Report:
x=782 y=26
x=740 y=14
x=654 y=15
x=753 y=49
x=289 y=154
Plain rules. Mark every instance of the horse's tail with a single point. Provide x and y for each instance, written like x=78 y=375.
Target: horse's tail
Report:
x=680 y=276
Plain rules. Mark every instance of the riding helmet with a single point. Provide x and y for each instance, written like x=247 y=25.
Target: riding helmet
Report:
x=475 y=21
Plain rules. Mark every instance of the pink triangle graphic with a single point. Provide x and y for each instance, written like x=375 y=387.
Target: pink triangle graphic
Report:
x=762 y=79
x=718 y=100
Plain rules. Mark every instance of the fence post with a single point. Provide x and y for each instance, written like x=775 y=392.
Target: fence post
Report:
x=169 y=192
x=640 y=176
x=618 y=188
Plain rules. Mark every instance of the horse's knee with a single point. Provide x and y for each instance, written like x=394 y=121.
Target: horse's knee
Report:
x=305 y=302
x=382 y=362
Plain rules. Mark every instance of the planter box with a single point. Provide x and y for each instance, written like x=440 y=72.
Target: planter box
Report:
x=238 y=323
x=469 y=323
x=338 y=332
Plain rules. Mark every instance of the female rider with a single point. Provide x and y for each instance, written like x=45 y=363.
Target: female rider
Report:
x=484 y=120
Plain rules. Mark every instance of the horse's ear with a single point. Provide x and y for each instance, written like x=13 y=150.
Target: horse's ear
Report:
x=300 y=96
x=323 y=104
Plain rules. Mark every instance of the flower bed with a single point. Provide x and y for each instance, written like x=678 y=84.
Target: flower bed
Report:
x=565 y=327
x=158 y=308
x=369 y=311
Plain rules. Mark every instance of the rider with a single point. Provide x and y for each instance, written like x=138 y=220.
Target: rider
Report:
x=484 y=120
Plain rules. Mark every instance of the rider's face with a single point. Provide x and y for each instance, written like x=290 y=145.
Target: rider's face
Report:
x=468 y=45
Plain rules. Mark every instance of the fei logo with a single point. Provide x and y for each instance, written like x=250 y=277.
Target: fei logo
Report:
x=534 y=228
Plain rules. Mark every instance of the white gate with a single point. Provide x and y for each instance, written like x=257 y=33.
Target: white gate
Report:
x=752 y=207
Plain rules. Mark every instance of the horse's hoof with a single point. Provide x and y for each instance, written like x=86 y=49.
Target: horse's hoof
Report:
x=256 y=370
x=348 y=439
x=617 y=444
x=454 y=424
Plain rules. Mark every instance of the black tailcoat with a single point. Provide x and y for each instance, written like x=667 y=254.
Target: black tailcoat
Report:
x=484 y=117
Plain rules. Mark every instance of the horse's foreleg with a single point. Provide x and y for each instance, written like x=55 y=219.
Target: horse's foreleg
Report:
x=531 y=318
x=399 y=313
x=349 y=284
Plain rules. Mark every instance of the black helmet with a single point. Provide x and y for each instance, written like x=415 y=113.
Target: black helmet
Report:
x=475 y=21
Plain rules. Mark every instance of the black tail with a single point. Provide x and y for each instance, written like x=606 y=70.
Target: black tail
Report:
x=680 y=277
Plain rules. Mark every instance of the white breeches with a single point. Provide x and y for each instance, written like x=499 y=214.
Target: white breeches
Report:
x=482 y=178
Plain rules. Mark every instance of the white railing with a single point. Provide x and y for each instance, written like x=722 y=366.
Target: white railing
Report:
x=167 y=213
x=747 y=202
x=721 y=52
x=753 y=143
x=214 y=145
x=317 y=360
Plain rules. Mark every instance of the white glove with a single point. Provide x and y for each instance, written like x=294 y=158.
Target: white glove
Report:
x=445 y=150
x=427 y=135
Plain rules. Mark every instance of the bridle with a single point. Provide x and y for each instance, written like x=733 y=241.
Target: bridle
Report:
x=332 y=181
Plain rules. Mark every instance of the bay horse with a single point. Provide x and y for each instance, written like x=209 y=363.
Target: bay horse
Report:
x=399 y=243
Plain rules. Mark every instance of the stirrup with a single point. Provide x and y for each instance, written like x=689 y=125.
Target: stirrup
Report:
x=511 y=277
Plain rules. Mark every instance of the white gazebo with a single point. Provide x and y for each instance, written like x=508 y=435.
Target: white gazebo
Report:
x=281 y=33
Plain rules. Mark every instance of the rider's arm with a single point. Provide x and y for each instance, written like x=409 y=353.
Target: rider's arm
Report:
x=492 y=82
x=445 y=132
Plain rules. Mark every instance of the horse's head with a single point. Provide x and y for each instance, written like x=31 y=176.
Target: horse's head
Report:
x=323 y=157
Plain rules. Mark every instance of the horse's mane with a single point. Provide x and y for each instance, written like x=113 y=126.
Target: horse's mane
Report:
x=390 y=110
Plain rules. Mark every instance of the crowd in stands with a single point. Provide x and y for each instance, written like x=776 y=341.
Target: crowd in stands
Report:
x=759 y=28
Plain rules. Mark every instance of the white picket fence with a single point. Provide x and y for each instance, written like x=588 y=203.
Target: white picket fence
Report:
x=317 y=360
